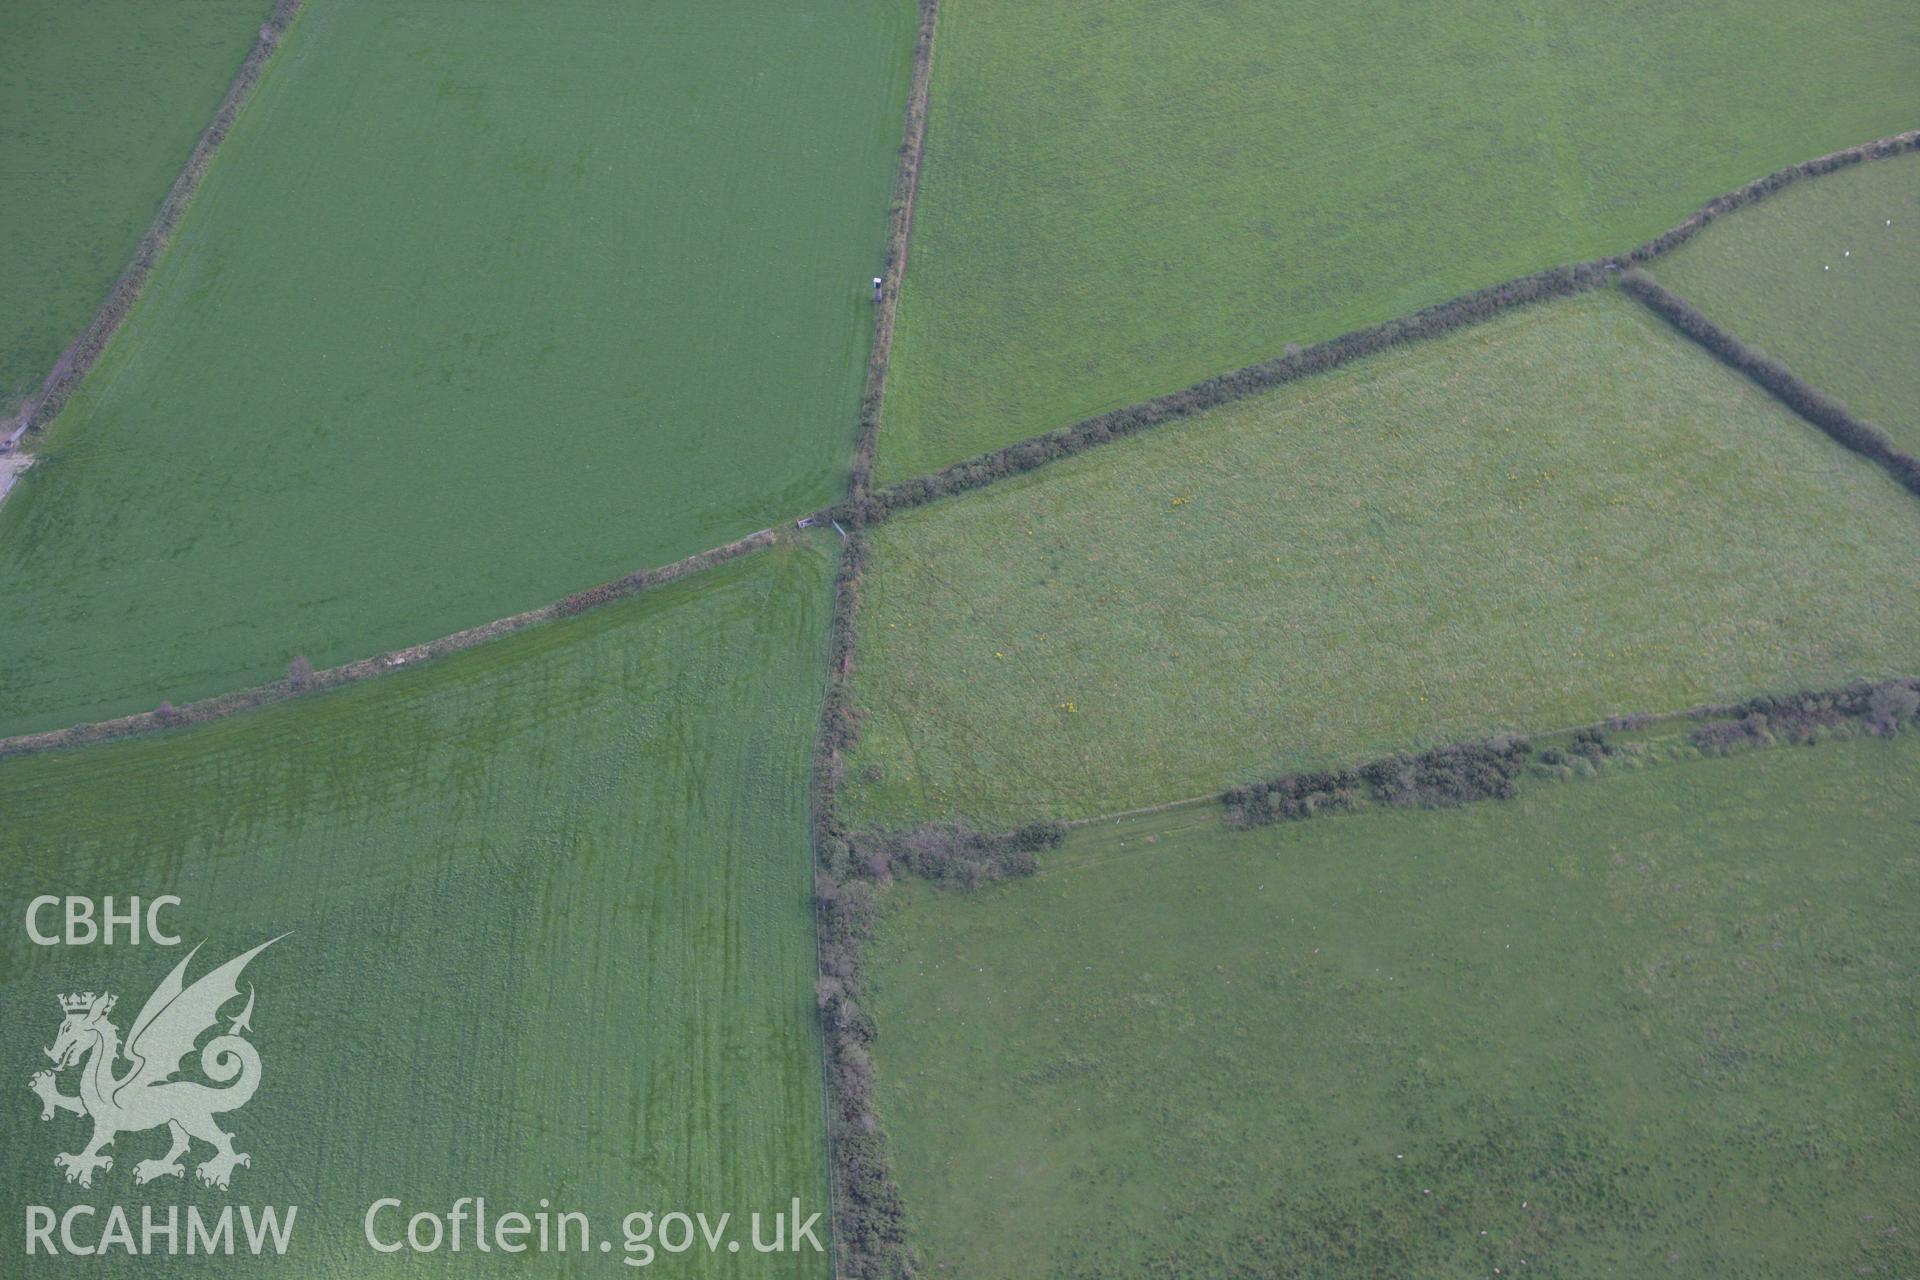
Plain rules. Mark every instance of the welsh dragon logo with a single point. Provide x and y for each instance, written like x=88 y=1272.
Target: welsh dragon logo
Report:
x=146 y=1095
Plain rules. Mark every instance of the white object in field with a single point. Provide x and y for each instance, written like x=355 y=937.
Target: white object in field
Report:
x=876 y=288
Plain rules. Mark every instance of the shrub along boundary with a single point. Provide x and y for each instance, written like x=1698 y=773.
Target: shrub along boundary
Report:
x=42 y=406
x=302 y=679
x=1760 y=188
x=869 y=1223
x=869 y=1229
x=906 y=189
x=1555 y=282
x=1491 y=768
x=1822 y=410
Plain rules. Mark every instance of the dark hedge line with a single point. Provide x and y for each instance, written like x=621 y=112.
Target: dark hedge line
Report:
x=1878 y=709
x=869 y=1224
x=1815 y=406
x=954 y=856
x=1444 y=777
x=862 y=507
x=1557 y=282
x=906 y=188
x=870 y=1238
x=74 y=362
x=1760 y=188
x=301 y=678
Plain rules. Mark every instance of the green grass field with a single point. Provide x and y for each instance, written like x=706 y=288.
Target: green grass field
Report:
x=1123 y=198
x=479 y=305
x=553 y=935
x=100 y=104
x=1657 y=1024
x=1533 y=523
x=1816 y=276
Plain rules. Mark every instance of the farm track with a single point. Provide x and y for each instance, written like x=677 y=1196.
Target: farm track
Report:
x=900 y=233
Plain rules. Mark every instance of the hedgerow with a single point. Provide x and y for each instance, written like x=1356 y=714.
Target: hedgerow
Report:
x=1824 y=412
x=1444 y=777
x=42 y=407
x=1556 y=282
x=1879 y=709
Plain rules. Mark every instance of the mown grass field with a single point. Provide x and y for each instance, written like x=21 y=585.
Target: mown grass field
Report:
x=479 y=305
x=1816 y=276
x=553 y=933
x=1124 y=198
x=100 y=104
x=1660 y=1023
x=1530 y=524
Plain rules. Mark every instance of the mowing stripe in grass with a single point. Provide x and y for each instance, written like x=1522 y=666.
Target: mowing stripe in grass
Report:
x=227 y=704
x=39 y=409
x=1864 y=438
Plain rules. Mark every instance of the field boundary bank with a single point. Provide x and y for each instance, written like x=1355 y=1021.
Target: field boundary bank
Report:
x=870 y=509
x=866 y=1218
x=1877 y=708
x=227 y=704
x=906 y=190
x=1490 y=768
x=42 y=406
x=1770 y=375
x=1471 y=308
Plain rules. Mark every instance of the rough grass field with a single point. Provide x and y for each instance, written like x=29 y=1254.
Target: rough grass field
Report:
x=553 y=934
x=1816 y=277
x=1561 y=514
x=1661 y=1023
x=479 y=305
x=1124 y=198
x=99 y=106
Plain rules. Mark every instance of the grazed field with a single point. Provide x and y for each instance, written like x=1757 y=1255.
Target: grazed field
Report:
x=1123 y=198
x=480 y=304
x=1826 y=276
x=1562 y=514
x=100 y=104
x=1659 y=1024
x=552 y=927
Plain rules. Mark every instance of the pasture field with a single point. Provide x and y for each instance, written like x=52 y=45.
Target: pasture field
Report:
x=1124 y=198
x=1817 y=277
x=552 y=929
x=1561 y=514
x=100 y=104
x=479 y=305
x=1660 y=1023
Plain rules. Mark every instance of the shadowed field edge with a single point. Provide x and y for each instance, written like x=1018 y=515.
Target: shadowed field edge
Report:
x=43 y=406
